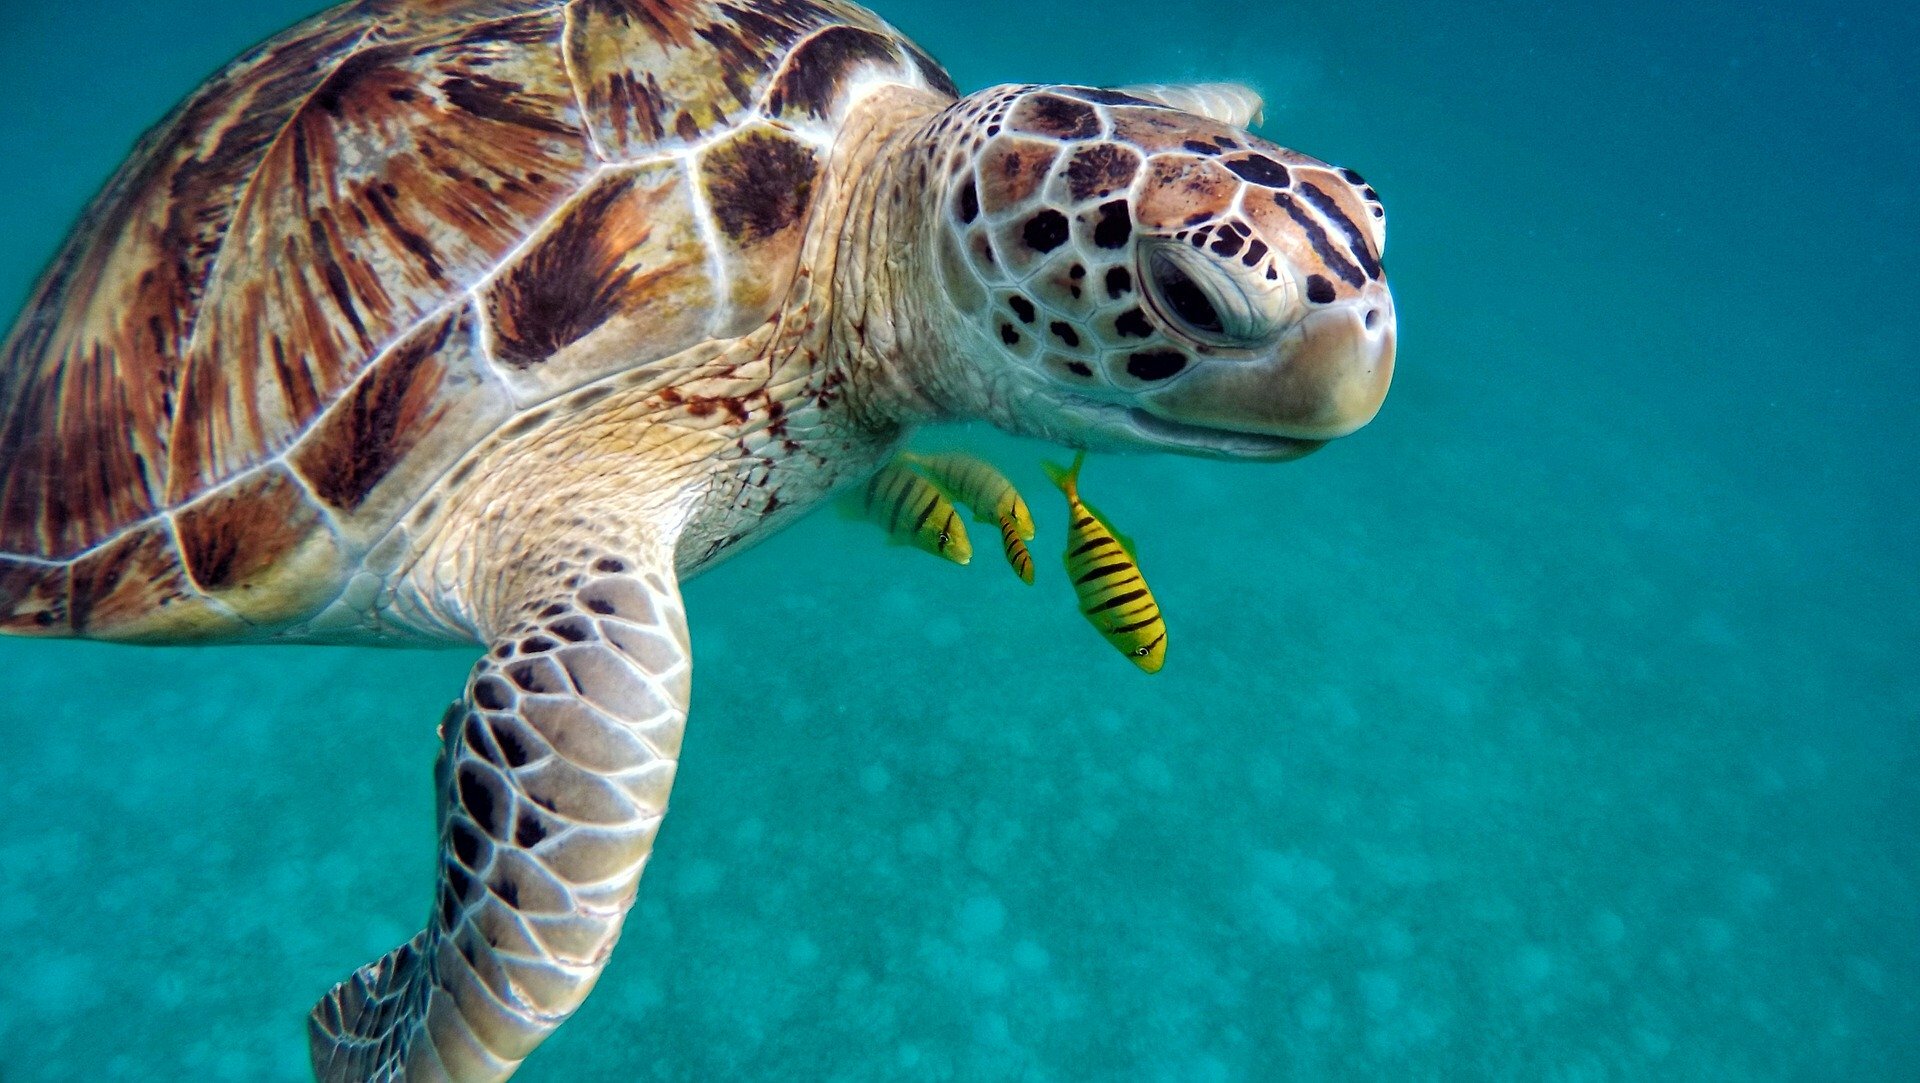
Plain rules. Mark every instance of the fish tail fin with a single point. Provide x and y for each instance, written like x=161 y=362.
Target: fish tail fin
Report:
x=1067 y=477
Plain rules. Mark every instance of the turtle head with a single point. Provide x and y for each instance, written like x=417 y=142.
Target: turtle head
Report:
x=1131 y=275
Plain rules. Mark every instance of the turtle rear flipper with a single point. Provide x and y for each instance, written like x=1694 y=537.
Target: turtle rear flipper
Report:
x=552 y=780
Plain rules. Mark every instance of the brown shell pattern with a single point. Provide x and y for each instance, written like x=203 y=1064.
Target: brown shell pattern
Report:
x=366 y=244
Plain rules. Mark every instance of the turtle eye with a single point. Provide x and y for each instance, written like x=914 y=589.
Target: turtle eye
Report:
x=1184 y=298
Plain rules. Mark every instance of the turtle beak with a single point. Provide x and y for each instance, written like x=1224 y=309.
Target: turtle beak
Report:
x=1326 y=377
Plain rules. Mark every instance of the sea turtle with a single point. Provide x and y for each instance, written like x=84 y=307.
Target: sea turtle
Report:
x=491 y=321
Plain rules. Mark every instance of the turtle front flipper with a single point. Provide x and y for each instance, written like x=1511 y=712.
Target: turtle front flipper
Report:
x=552 y=782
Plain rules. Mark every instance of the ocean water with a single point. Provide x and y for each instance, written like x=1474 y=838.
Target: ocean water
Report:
x=1563 y=724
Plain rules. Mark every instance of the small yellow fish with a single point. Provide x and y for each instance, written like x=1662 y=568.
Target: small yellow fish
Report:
x=915 y=513
x=1017 y=554
x=1113 y=594
x=989 y=495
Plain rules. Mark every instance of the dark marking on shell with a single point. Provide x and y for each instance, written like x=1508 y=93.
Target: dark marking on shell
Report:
x=571 y=282
x=759 y=184
x=816 y=74
x=381 y=418
x=232 y=536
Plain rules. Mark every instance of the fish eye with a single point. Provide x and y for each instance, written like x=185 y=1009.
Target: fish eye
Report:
x=1184 y=298
x=1141 y=651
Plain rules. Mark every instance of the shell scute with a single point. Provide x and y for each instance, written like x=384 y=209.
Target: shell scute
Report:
x=33 y=598
x=90 y=373
x=657 y=73
x=411 y=171
x=619 y=278
x=136 y=589
x=404 y=422
x=262 y=548
x=760 y=184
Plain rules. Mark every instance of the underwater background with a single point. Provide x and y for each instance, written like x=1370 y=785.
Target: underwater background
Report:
x=1562 y=724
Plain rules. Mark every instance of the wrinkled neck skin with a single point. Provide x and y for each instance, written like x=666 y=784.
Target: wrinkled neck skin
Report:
x=896 y=341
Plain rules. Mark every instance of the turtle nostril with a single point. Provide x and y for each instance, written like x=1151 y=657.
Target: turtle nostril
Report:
x=1373 y=318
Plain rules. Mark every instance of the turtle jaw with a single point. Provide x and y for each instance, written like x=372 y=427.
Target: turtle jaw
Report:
x=1325 y=378
x=1107 y=425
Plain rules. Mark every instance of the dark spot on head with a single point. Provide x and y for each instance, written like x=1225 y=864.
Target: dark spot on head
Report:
x=1100 y=96
x=1259 y=169
x=1352 y=177
x=1115 y=225
x=1197 y=147
x=1133 y=323
x=1022 y=308
x=1079 y=368
x=528 y=830
x=968 y=204
x=1076 y=272
x=537 y=645
x=1061 y=118
x=1226 y=243
x=1319 y=289
x=1045 y=231
x=1008 y=335
x=1226 y=142
x=1155 y=364
x=1119 y=281
x=609 y=565
x=1369 y=193
x=1256 y=251
x=1065 y=333
x=1101 y=170
x=600 y=606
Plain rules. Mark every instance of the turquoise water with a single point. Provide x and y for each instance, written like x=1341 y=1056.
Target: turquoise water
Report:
x=1562 y=724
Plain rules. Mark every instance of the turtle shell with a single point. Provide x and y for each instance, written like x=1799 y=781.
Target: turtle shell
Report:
x=367 y=244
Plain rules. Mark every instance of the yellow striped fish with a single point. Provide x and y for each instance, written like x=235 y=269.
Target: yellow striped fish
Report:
x=1113 y=594
x=915 y=513
x=991 y=497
